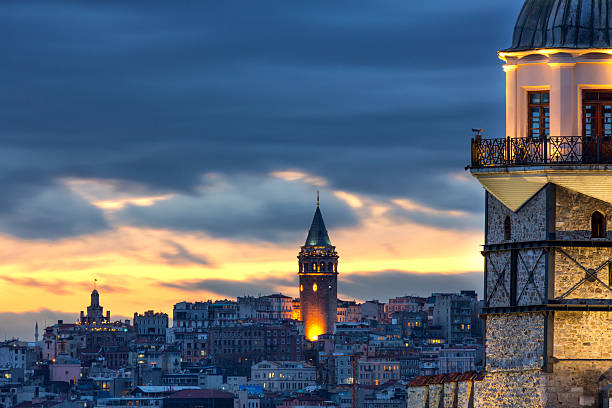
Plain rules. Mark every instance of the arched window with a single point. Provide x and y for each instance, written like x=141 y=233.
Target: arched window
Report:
x=305 y=267
x=330 y=266
x=598 y=225
x=322 y=267
x=300 y=267
x=507 y=229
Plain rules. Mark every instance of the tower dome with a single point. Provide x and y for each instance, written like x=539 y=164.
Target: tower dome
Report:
x=572 y=24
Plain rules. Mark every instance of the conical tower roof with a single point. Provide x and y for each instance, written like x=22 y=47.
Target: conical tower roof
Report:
x=317 y=236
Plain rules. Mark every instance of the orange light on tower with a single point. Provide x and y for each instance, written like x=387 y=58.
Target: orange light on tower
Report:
x=318 y=274
x=314 y=329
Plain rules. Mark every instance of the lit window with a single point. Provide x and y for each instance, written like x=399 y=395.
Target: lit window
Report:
x=539 y=114
x=314 y=287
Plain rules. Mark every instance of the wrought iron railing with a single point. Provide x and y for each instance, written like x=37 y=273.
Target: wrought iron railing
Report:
x=551 y=150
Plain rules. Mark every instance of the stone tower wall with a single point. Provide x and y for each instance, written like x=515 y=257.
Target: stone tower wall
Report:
x=318 y=309
x=528 y=223
x=573 y=215
x=514 y=342
x=553 y=358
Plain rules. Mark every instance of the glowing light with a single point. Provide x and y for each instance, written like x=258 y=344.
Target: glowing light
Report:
x=314 y=287
x=295 y=175
x=351 y=199
x=301 y=288
x=314 y=329
x=410 y=205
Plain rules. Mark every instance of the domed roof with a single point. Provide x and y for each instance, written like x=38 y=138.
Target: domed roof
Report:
x=576 y=24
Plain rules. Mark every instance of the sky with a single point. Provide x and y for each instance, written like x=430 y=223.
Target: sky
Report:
x=173 y=152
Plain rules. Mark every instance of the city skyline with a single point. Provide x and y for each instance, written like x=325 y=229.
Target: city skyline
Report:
x=134 y=198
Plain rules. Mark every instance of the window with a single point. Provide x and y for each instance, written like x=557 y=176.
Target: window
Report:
x=507 y=229
x=539 y=114
x=598 y=225
x=597 y=115
x=609 y=273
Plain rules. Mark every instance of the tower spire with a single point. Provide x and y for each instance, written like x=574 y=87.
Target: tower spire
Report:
x=317 y=235
x=36 y=332
x=317 y=198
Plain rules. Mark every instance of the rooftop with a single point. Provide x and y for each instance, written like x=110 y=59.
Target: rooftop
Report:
x=563 y=24
x=193 y=394
x=317 y=235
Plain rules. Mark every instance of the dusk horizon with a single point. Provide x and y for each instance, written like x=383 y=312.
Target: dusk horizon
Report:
x=175 y=154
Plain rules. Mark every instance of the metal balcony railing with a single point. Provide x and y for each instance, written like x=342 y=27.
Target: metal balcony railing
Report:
x=551 y=150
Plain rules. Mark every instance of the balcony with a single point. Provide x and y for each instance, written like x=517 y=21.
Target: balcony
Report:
x=552 y=150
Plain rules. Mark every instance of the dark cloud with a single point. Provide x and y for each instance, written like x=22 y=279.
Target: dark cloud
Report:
x=380 y=285
x=22 y=325
x=378 y=97
x=383 y=285
x=232 y=288
x=182 y=256
x=49 y=212
x=243 y=208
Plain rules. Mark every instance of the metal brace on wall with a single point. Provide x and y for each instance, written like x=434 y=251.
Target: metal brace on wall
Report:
x=531 y=277
x=590 y=275
x=500 y=277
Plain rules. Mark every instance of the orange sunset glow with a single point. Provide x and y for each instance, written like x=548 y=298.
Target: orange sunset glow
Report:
x=176 y=154
x=136 y=267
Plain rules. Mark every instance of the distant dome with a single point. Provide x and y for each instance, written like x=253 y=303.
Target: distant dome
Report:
x=574 y=24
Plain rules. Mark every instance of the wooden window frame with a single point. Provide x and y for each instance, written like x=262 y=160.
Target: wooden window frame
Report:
x=603 y=97
x=541 y=107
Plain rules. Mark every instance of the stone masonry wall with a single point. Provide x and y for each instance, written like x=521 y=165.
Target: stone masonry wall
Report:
x=450 y=395
x=457 y=394
x=417 y=397
x=498 y=286
x=464 y=394
x=575 y=383
x=573 y=215
x=531 y=277
x=512 y=389
x=514 y=342
x=528 y=223
x=435 y=395
x=584 y=335
x=568 y=273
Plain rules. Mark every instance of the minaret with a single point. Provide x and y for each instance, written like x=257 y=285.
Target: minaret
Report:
x=318 y=272
x=548 y=199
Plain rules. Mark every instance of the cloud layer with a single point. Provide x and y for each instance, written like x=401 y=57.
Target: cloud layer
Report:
x=378 y=98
